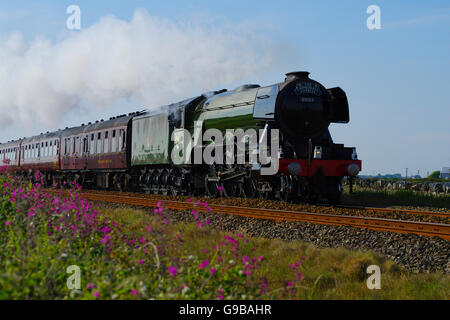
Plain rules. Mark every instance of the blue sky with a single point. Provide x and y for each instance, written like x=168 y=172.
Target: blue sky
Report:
x=396 y=78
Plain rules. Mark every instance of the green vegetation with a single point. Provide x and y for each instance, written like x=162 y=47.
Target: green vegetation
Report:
x=135 y=254
x=386 y=198
x=326 y=273
x=434 y=175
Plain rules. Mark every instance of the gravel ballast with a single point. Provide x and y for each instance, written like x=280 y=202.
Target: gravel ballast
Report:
x=413 y=252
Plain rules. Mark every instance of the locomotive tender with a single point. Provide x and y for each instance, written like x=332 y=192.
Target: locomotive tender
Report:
x=133 y=152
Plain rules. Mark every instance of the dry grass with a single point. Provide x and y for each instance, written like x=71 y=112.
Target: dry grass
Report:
x=327 y=273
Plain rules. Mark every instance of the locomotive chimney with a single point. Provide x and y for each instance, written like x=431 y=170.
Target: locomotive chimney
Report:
x=297 y=75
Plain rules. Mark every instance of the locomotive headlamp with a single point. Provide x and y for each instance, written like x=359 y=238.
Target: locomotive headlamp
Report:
x=294 y=168
x=353 y=169
x=317 y=152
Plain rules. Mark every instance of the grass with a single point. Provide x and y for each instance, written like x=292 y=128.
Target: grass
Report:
x=386 y=198
x=326 y=273
x=135 y=254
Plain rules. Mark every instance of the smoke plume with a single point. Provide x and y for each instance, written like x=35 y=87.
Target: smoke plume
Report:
x=155 y=60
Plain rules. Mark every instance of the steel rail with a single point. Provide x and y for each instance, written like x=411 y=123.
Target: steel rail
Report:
x=406 y=211
x=380 y=224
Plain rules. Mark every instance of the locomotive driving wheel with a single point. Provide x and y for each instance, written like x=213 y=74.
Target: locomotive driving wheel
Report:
x=212 y=185
x=249 y=188
x=334 y=190
x=288 y=188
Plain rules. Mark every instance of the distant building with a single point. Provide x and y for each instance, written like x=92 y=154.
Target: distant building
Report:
x=445 y=173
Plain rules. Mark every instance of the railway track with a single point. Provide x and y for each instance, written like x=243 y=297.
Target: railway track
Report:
x=406 y=211
x=392 y=225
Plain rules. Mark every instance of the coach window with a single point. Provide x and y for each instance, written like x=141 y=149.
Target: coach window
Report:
x=73 y=145
x=106 y=143
x=113 y=141
x=99 y=142
x=91 y=147
x=122 y=140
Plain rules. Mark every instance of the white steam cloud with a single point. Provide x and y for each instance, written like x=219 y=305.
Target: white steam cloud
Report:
x=153 y=59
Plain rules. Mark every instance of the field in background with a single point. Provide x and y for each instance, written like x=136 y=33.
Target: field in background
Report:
x=365 y=197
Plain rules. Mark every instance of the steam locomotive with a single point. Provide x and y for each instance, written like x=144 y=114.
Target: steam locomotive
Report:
x=135 y=151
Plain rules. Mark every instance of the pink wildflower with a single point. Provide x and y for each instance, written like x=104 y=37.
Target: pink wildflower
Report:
x=173 y=271
x=212 y=270
x=105 y=239
x=90 y=286
x=96 y=294
x=204 y=264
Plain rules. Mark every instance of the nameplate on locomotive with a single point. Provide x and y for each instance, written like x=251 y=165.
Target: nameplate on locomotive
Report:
x=307 y=88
